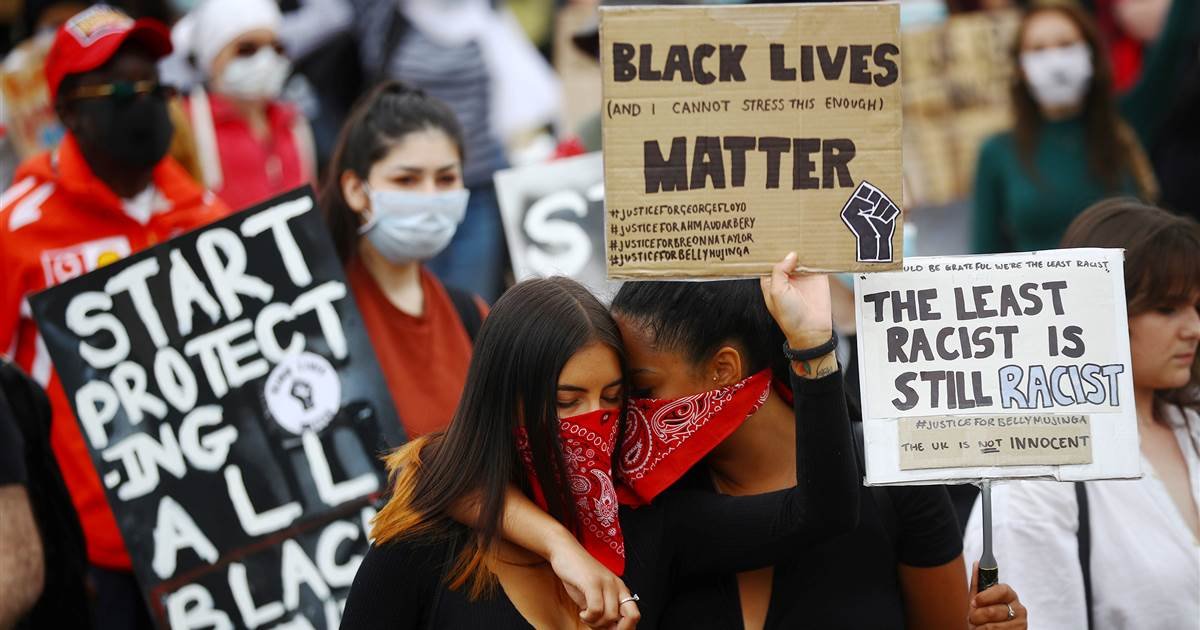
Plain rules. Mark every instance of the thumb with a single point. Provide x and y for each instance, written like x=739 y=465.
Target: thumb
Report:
x=974 y=581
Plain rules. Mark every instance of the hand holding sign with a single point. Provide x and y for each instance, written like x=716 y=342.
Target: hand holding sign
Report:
x=800 y=303
x=872 y=217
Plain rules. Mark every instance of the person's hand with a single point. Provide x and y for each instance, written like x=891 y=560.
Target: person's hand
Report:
x=997 y=608
x=595 y=589
x=800 y=303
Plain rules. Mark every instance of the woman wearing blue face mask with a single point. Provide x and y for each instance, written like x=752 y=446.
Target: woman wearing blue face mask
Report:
x=393 y=198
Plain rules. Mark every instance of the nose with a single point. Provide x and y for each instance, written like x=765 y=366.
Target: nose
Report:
x=1191 y=328
x=590 y=404
x=428 y=186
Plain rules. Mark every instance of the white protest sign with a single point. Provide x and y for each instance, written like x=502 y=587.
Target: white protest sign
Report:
x=553 y=217
x=1001 y=366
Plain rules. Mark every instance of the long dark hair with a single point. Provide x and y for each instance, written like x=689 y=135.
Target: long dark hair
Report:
x=1162 y=263
x=527 y=338
x=379 y=121
x=1110 y=156
x=698 y=318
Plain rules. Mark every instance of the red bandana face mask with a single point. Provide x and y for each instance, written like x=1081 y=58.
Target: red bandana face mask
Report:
x=587 y=443
x=665 y=438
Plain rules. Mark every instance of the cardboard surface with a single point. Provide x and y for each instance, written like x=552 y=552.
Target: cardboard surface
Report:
x=995 y=342
x=957 y=83
x=734 y=135
x=233 y=406
x=553 y=217
x=950 y=442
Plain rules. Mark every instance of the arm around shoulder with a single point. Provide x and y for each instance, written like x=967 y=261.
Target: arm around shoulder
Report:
x=22 y=568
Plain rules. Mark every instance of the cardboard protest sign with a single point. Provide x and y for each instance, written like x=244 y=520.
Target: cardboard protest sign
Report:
x=734 y=135
x=957 y=81
x=554 y=220
x=234 y=410
x=1010 y=365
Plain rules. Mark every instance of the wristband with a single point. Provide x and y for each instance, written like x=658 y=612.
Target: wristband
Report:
x=808 y=354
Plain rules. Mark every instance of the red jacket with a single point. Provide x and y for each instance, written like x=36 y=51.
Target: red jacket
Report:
x=59 y=221
x=254 y=170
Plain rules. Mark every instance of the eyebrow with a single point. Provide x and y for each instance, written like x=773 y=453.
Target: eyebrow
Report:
x=419 y=169
x=576 y=388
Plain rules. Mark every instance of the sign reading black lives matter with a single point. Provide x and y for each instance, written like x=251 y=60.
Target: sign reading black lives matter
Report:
x=554 y=220
x=235 y=412
x=1010 y=365
x=734 y=135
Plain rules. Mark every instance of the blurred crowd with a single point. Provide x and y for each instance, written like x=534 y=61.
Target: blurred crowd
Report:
x=204 y=107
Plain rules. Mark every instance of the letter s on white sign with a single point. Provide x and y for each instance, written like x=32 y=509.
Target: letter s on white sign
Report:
x=559 y=247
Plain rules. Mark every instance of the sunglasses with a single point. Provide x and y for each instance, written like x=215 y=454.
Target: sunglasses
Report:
x=249 y=49
x=122 y=90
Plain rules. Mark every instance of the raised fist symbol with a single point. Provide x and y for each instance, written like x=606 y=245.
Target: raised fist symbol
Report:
x=303 y=393
x=872 y=217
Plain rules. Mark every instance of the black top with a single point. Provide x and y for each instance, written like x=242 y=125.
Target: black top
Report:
x=24 y=407
x=12 y=447
x=681 y=536
x=848 y=582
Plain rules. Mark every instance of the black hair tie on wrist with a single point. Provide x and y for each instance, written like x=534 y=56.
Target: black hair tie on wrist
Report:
x=808 y=354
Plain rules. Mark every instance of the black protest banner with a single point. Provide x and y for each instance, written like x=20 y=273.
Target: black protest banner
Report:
x=554 y=220
x=235 y=413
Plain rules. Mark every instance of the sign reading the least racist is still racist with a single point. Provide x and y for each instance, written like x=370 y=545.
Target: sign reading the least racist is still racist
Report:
x=234 y=410
x=554 y=220
x=1010 y=365
x=734 y=135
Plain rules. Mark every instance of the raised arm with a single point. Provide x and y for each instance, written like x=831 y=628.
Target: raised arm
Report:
x=711 y=533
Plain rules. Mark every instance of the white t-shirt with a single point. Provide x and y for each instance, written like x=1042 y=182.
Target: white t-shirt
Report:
x=1145 y=560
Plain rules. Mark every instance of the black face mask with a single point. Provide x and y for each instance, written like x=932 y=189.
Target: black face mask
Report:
x=133 y=131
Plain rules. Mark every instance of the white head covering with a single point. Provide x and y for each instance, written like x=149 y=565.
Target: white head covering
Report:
x=219 y=22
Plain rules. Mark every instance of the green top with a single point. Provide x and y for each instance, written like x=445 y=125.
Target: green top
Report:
x=1015 y=212
x=1146 y=104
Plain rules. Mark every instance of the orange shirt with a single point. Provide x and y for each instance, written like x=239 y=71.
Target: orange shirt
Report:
x=59 y=221
x=424 y=359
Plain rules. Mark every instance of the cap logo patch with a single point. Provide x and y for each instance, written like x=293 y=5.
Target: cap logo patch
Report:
x=96 y=22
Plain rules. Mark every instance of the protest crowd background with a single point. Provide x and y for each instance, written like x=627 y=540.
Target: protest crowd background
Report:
x=128 y=124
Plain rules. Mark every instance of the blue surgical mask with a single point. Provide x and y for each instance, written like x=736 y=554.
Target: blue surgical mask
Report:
x=408 y=226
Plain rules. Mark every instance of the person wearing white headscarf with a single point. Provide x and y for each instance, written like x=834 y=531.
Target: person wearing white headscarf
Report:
x=252 y=145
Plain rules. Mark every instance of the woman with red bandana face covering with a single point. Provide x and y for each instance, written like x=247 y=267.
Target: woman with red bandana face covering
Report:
x=693 y=350
x=542 y=410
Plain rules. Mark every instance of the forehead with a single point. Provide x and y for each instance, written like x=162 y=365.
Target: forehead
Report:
x=1050 y=27
x=424 y=148
x=595 y=364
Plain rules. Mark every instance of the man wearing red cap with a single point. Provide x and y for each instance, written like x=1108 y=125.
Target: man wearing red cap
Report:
x=107 y=191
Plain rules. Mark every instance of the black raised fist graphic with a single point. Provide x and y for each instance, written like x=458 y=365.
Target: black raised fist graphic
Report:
x=303 y=393
x=872 y=217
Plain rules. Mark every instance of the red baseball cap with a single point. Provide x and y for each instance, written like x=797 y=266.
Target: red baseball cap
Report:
x=90 y=38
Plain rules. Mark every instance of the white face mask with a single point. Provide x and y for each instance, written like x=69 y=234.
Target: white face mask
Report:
x=1058 y=77
x=258 y=77
x=408 y=226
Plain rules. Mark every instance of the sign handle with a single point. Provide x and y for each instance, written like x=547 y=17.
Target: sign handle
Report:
x=989 y=573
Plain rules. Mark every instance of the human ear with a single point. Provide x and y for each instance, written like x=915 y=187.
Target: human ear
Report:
x=355 y=193
x=726 y=366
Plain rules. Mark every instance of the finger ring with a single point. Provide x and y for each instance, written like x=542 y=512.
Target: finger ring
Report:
x=1011 y=615
x=635 y=598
